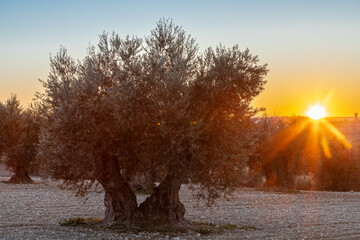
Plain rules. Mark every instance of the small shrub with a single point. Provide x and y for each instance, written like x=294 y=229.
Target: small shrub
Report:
x=80 y=221
x=204 y=231
x=230 y=226
x=203 y=228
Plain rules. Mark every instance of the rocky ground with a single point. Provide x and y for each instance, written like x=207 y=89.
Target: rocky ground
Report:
x=33 y=211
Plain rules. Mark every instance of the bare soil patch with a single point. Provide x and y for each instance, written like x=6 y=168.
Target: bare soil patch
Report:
x=33 y=211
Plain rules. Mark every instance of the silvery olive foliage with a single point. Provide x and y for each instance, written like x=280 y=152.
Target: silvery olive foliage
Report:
x=155 y=104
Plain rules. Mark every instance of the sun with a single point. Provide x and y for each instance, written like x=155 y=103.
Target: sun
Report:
x=316 y=112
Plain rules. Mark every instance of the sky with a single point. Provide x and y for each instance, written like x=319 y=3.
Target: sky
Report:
x=312 y=48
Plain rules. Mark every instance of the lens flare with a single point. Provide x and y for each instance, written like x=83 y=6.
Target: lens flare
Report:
x=316 y=112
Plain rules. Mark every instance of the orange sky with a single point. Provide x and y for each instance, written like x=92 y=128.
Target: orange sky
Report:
x=312 y=47
x=293 y=87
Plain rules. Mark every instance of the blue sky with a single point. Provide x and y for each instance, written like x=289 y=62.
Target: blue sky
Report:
x=312 y=47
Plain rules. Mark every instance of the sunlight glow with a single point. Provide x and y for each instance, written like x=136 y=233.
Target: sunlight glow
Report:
x=322 y=136
x=325 y=147
x=316 y=112
x=339 y=135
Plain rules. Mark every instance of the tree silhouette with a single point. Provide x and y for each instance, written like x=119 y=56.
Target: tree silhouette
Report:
x=136 y=106
x=19 y=130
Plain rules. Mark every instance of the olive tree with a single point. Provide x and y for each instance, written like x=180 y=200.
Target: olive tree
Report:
x=282 y=152
x=135 y=106
x=205 y=113
x=19 y=139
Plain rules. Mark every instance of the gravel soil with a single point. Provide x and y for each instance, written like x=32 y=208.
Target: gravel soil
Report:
x=33 y=211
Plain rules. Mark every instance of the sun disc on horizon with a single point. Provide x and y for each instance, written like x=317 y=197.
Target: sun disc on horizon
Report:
x=316 y=112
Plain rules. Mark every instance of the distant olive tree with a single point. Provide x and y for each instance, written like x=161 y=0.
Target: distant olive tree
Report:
x=286 y=151
x=302 y=154
x=136 y=106
x=19 y=139
x=341 y=171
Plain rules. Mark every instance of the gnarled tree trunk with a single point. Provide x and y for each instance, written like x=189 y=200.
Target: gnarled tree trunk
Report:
x=21 y=175
x=163 y=205
x=120 y=200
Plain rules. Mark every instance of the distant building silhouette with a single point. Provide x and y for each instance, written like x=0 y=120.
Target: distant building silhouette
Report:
x=356 y=116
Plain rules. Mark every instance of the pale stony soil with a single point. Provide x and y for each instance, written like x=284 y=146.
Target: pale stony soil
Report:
x=34 y=211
